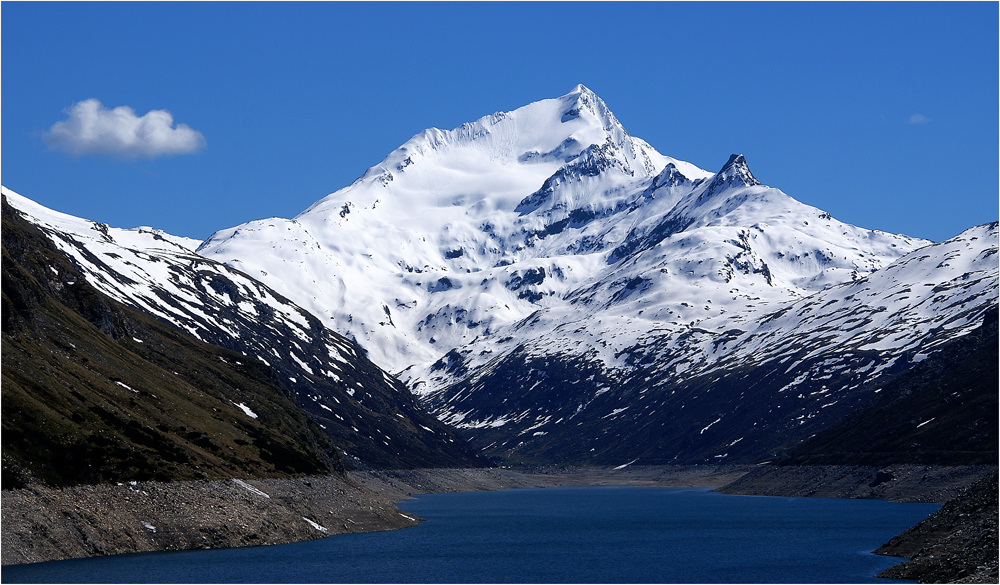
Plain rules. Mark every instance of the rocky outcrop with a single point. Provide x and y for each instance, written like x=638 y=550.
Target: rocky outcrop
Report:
x=958 y=543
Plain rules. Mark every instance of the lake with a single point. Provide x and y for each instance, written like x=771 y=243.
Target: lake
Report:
x=554 y=535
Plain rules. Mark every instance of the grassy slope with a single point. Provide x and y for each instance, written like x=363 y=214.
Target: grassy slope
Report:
x=84 y=401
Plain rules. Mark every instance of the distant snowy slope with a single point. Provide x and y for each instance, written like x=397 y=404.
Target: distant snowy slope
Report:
x=695 y=390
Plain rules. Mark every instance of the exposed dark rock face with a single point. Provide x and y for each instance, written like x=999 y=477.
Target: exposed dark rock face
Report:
x=738 y=415
x=958 y=543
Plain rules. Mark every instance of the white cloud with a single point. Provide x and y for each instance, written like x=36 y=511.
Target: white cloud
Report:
x=119 y=133
x=919 y=119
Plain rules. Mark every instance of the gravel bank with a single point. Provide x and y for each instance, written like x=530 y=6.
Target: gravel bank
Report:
x=43 y=524
x=398 y=484
x=897 y=483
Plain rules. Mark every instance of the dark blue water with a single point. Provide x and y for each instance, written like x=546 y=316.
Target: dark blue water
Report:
x=556 y=535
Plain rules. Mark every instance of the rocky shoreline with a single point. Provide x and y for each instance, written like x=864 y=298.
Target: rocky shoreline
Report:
x=958 y=543
x=44 y=524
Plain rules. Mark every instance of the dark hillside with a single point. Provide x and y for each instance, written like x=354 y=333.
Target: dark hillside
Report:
x=369 y=416
x=942 y=411
x=97 y=392
x=937 y=415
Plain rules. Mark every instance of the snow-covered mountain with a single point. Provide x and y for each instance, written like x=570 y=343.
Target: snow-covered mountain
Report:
x=559 y=291
x=442 y=238
x=370 y=416
x=487 y=263
x=458 y=234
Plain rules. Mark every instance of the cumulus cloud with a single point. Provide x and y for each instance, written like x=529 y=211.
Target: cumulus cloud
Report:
x=919 y=119
x=118 y=133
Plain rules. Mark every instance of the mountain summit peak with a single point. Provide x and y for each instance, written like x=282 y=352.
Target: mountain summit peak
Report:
x=582 y=98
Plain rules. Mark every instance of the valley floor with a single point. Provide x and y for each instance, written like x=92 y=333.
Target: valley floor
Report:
x=42 y=524
x=398 y=484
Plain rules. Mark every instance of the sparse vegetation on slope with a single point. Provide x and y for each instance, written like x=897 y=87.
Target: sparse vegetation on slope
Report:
x=368 y=415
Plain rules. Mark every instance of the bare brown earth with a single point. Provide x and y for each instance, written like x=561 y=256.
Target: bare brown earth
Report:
x=43 y=524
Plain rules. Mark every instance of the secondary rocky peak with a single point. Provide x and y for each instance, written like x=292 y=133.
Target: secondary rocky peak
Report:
x=736 y=171
x=670 y=176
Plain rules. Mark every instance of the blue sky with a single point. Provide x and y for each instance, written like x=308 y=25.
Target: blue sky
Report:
x=883 y=114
